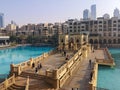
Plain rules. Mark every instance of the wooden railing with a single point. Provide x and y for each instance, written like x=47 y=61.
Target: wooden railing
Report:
x=8 y=82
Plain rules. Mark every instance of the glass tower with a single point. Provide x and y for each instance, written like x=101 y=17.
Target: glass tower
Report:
x=1 y=20
x=86 y=14
x=93 y=12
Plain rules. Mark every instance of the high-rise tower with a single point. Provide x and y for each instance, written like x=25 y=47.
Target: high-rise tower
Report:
x=86 y=14
x=1 y=20
x=93 y=12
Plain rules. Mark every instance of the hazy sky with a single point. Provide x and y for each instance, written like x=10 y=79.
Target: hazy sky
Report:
x=37 y=11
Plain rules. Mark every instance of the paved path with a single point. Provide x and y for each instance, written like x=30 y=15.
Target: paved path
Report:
x=52 y=62
x=81 y=78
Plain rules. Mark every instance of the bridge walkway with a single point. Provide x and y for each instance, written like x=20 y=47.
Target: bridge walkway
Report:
x=81 y=78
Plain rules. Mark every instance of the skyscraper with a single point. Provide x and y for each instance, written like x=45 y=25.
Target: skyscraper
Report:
x=86 y=14
x=93 y=12
x=1 y=20
x=116 y=13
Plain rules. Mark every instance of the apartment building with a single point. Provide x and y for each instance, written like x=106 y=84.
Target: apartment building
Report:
x=103 y=31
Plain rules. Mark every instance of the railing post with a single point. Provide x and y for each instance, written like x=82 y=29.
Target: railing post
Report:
x=31 y=62
x=47 y=72
x=19 y=70
x=55 y=74
x=13 y=78
x=11 y=69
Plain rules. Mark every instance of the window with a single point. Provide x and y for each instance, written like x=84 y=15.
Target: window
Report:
x=109 y=34
x=104 y=22
x=114 y=29
x=74 y=27
x=114 y=21
x=118 y=20
x=82 y=27
x=114 y=34
x=100 y=25
x=104 y=34
x=118 y=35
x=114 y=25
x=75 y=30
x=100 y=21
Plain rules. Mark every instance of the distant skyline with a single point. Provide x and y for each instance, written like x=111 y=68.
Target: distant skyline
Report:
x=42 y=11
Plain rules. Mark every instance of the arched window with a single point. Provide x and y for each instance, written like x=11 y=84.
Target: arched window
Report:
x=77 y=40
x=118 y=41
x=62 y=40
x=109 y=41
x=114 y=41
x=91 y=41
x=104 y=41
x=95 y=41
x=100 y=41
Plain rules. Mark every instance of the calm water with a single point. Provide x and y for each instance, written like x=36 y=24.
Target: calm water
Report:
x=109 y=78
x=17 y=55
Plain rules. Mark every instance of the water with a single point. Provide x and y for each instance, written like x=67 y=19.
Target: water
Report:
x=109 y=78
x=17 y=55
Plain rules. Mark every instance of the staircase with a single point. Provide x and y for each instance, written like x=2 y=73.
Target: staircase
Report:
x=16 y=87
x=32 y=75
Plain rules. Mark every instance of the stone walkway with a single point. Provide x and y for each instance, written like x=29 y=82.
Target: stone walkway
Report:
x=81 y=78
x=52 y=62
